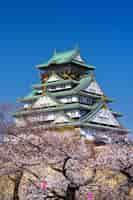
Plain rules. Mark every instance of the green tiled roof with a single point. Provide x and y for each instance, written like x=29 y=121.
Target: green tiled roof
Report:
x=64 y=57
x=32 y=96
x=29 y=98
x=105 y=127
x=83 y=83
x=33 y=93
x=79 y=124
x=83 y=64
x=54 y=108
x=78 y=89
x=118 y=114
x=84 y=93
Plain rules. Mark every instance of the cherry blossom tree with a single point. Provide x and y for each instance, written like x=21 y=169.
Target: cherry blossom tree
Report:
x=69 y=154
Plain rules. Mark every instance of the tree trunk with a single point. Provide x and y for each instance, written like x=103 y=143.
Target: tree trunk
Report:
x=16 y=185
x=72 y=192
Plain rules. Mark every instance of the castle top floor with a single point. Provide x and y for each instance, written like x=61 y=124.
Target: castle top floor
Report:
x=68 y=60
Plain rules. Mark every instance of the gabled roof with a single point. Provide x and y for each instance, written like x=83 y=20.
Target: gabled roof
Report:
x=44 y=101
x=94 y=88
x=70 y=56
x=101 y=110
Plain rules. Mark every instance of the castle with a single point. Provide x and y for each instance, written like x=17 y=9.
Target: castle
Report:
x=68 y=96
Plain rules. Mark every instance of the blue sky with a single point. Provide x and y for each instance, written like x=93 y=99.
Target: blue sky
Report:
x=30 y=30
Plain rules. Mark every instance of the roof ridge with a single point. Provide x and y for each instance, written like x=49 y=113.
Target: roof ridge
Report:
x=65 y=51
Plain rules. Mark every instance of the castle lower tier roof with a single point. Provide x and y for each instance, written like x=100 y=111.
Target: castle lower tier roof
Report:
x=96 y=96
x=29 y=98
x=98 y=126
x=33 y=98
x=78 y=89
x=117 y=114
x=54 y=108
x=83 y=83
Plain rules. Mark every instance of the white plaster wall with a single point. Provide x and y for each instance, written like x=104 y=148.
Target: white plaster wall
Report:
x=73 y=114
x=42 y=117
x=70 y=99
x=59 y=87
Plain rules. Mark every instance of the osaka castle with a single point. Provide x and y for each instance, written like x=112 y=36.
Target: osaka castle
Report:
x=68 y=97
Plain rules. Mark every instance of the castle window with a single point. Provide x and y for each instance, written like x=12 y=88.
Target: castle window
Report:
x=74 y=114
x=59 y=87
x=86 y=100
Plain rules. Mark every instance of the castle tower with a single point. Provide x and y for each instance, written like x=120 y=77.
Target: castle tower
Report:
x=68 y=96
